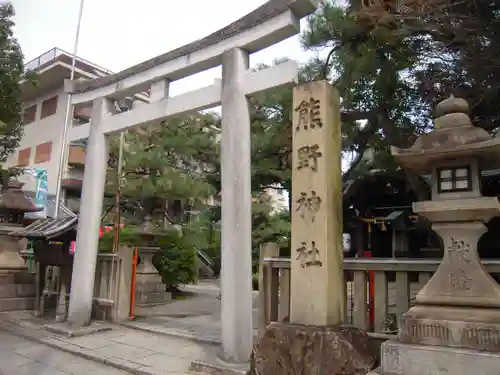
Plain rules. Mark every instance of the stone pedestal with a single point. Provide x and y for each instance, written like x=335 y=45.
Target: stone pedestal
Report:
x=149 y=289
x=17 y=286
x=10 y=258
x=408 y=359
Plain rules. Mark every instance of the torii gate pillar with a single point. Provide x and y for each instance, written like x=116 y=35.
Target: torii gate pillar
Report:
x=236 y=286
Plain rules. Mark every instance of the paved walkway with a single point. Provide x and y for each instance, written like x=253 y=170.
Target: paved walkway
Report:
x=122 y=348
x=198 y=316
x=22 y=357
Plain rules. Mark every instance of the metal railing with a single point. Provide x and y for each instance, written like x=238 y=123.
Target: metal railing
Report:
x=53 y=54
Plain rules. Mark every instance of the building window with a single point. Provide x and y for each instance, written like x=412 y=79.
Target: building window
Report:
x=49 y=107
x=29 y=115
x=23 y=158
x=455 y=179
x=43 y=152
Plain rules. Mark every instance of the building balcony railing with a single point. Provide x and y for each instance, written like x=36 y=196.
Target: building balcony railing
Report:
x=52 y=55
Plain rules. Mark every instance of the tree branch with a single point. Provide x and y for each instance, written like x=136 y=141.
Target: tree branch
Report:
x=326 y=66
x=362 y=139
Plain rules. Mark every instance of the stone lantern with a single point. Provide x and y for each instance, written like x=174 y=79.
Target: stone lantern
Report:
x=149 y=287
x=13 y=206
x=456 y=319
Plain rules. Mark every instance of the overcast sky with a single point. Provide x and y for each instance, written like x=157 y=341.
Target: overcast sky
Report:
x=116 y=34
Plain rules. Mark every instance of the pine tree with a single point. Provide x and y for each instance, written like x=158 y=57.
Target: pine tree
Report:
x=170 y=162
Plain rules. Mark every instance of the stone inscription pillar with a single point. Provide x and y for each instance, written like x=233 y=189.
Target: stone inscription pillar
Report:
x=317 y=280
x=236 y=274
x=96 y=158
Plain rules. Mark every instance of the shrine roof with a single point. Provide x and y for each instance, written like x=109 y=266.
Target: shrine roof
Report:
x=47 y=228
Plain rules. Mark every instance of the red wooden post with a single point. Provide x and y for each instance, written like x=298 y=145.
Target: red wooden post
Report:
x=371 y=292
x=132 y=288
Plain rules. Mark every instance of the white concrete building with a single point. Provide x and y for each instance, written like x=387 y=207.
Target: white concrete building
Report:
x=44 y=108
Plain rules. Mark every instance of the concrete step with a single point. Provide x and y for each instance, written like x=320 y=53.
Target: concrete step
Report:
x=152 y=298
x=20 y=303
x=17 y=290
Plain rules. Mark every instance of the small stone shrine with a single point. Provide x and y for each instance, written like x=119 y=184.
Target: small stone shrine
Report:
x=149 y=289
x=315 y=342
x=18 y=288
x=454 y=328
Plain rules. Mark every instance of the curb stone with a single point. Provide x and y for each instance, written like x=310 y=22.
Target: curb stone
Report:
x=201 y=367
x=174 y=333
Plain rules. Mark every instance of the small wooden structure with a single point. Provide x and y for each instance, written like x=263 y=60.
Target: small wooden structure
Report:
x=52 y=240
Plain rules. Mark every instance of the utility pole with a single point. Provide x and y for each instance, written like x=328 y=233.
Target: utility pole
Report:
x=68 y=117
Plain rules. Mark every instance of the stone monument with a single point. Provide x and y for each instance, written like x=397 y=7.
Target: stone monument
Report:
x=149 y=289
x=454 y=328
x=17 y=288
x=315 y=342
x=13 y=206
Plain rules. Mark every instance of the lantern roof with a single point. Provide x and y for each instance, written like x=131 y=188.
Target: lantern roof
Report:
x=149 y=229
x=454 y=136
x=13 y=199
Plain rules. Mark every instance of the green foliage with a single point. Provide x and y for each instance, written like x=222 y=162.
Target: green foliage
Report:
x=203 y=233
x=11 y=74
x=177 y=260
x=128 y=237
x=255 y=281
x=170 y=160
x=269 y=226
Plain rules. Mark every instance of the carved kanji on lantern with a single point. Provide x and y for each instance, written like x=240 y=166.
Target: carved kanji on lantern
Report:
x=459 y=250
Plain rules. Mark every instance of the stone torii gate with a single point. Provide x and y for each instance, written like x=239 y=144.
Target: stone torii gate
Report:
x=231 y=46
